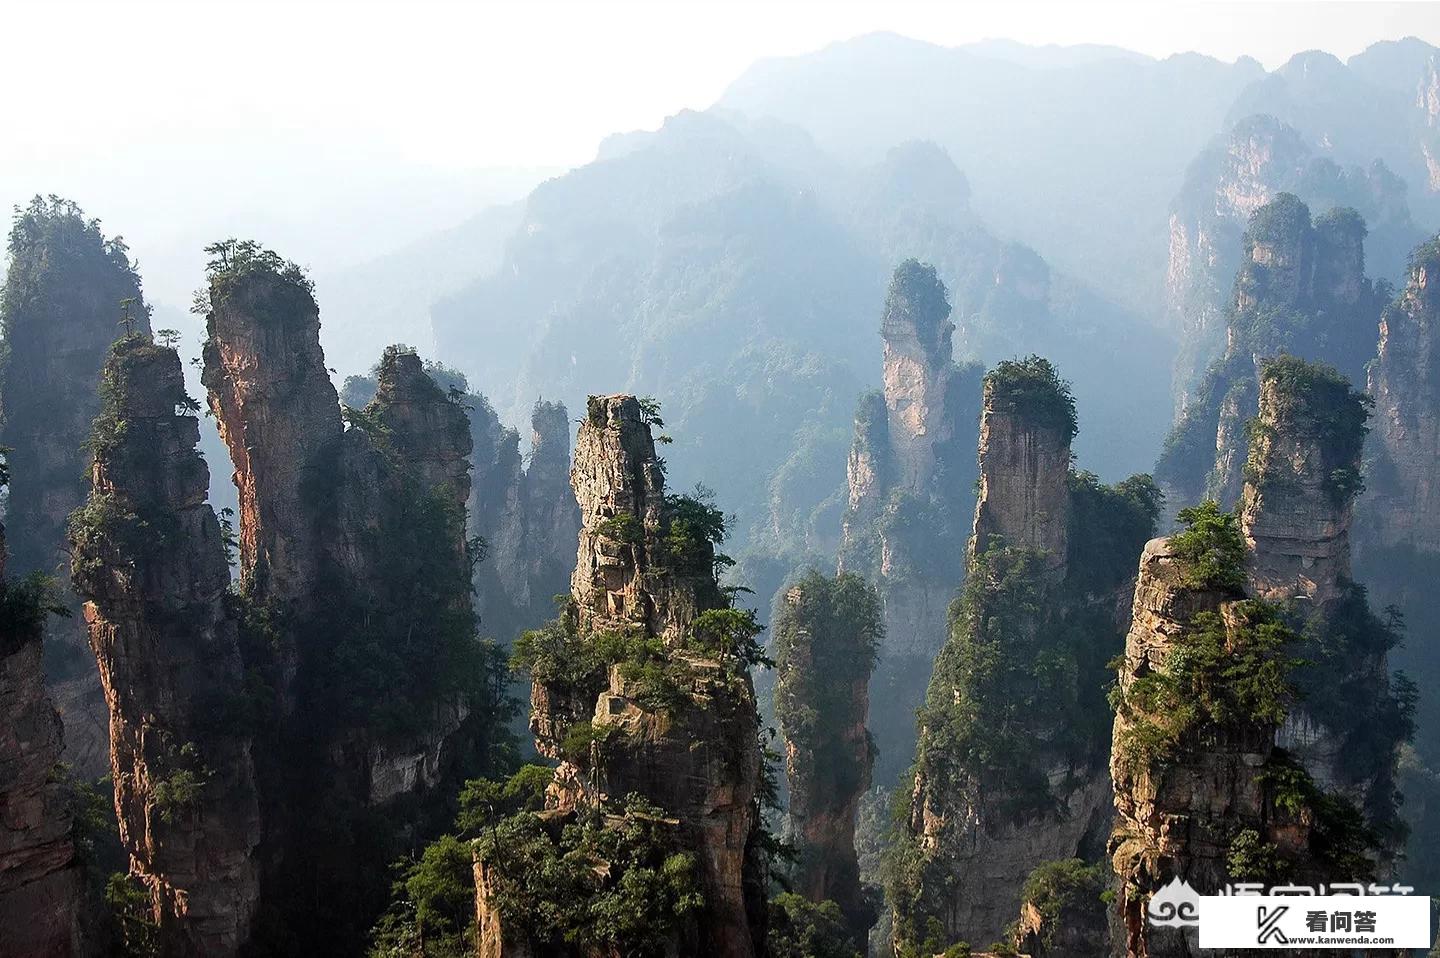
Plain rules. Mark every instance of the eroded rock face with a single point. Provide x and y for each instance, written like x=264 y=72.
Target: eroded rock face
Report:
x=1299 y=502
x=279 y=415
x=527 y=515
x=698 y=758
x=978 y=827
x=1402 y=505
x=1241 y=172
x=40 y=878
x=911 y=475
x=1300 y=290
x=1303 y=477
x=1177 y=820
x=150 y=560
x=1024 y=462
x=1211 y=800
x=826 y=635
x=62 y=308
x=255 y=733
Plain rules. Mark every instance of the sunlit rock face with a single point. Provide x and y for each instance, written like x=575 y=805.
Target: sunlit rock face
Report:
x=697 y=758
x=151 y=562
x=911 y=477
x=1296 y=781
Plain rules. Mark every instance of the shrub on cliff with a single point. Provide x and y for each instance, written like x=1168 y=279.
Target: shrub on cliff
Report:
x=1211 y=548
x=1033 y=387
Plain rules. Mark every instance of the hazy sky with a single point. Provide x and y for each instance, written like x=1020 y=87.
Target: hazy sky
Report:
x=241 y=114
x=525 y=83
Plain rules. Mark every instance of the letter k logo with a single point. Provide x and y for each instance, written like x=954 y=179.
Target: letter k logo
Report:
x=1269 y=922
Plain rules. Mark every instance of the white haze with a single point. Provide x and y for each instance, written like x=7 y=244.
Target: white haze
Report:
x=339 y=132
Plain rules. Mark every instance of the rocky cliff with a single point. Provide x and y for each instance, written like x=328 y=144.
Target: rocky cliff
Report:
x=1258 y=725
x=1242 y=171
x=1008 y=773
x=1402 y=509
x=826 y=638
x=911 y=475
x=40 y=878
x=150 y=559
x=1302 y=480
x=70 y=292
x=642 y=692
x=1301 y=290
x=520 y=505
x=286 y=734
x=1397 y=533
x=526 y=513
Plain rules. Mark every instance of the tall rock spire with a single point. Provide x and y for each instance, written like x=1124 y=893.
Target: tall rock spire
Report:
x=70 y=292
x=826 y=637
x=911 y=477
x=41 y=879
x=1007 y=778
x=1258 y=726
x=642 y=689
x=149 y=557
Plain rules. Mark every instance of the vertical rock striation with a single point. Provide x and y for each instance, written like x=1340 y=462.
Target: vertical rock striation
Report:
x=524 y=511
x=1402 y=510
x=1183 y=806
x=1007 y=776
x=279 y=416
x=911 y=476
x=1243 y=170
x=826 y=637
x=527 y=515
x=41 y=883
x=67 y=293
x=286 y=735
x=1025 y=435
x=1258 y=725
x=1300 y=290
x=149 y=557
x=1302 y=480
x=1303 y=473
x=641 y=689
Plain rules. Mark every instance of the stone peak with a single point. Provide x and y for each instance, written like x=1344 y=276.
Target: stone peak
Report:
x=917 y=313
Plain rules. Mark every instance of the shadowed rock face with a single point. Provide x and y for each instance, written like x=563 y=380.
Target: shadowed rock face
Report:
x=61 y=311
x=1242 y=171
x=250 y=737
x=526 y=513
x=1342 y=718
x=150 y=560
x=825 y=636
x=911 y=475
x=40 y=879
x=1402 y=506
x=698 y=758
x=1300 y=290
x=978 y=825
